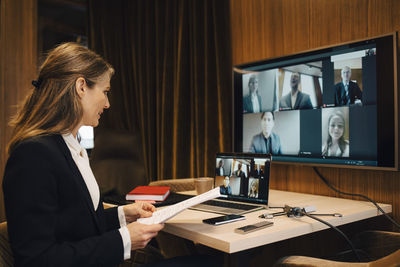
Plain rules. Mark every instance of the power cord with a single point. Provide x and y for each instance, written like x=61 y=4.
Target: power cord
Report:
x=298 y=212
x=356 y=195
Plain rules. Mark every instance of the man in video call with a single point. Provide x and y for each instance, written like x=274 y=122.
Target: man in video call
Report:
x=225 y=189
x=219 y=171
x=252 y=101
x=295 y=99
x=346 y=91
x=266 y=141
x=243 y=180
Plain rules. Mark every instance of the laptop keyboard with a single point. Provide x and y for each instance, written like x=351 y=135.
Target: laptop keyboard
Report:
x=231 y=205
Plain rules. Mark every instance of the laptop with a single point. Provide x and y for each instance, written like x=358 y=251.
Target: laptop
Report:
x=243 y=179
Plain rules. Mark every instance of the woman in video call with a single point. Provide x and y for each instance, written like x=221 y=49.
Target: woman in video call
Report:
x=252 y=101
x=335 y=145
x=254 y=188
x=266 y=141
x=55 y=216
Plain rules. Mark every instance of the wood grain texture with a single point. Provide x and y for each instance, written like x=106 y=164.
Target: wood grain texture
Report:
x=293 y=26
x=18 y=53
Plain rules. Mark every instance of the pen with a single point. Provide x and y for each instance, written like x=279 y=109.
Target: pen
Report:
x=330 y=214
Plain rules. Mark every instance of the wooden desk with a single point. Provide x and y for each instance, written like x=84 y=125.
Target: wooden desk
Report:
x=189 y=225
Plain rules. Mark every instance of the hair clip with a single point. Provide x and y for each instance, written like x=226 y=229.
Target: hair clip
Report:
x=36 y=83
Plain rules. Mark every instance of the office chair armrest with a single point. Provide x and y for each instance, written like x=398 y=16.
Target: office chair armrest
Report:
x=304 y=261
x=377 y=244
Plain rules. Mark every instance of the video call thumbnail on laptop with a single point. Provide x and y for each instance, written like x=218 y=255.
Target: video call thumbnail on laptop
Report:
x=243 y=179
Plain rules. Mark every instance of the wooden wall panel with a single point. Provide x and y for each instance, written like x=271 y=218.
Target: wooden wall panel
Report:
x=380 y=17
x=253 y=32
x=396 y=15
x=18 y=53
x=352 y=20
x=293 y=26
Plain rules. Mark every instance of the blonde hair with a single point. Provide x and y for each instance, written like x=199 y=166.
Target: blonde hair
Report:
x=53 y=106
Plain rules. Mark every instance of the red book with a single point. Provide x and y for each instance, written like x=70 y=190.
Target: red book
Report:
x=157 y=193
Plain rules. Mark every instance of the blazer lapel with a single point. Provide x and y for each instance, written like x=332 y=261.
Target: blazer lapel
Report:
x=298 y=100
x=351 y=95
x=78 y=178
x=289 y=101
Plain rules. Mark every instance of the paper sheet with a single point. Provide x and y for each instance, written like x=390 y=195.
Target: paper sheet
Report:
x=164 y=214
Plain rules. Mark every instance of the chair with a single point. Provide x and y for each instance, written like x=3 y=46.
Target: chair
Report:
x=6 y=256
x=116 y=161
x=176 y=185
x=392 y=260
x=383 y=249
x=377 y=244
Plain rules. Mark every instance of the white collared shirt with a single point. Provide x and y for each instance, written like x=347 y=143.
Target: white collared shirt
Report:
x=81 y=159
x=254 y=102
x=294 y=98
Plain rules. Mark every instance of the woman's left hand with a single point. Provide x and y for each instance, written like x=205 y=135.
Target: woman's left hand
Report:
x=138 y=210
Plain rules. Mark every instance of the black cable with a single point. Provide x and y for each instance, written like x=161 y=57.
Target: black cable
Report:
x=302 y=212
x=356 y=195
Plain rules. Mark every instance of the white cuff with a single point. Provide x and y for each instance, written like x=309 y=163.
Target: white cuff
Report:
x=121 y=216
x=126 y=242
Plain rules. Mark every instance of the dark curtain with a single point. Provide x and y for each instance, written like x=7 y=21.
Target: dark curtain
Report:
x=173 y=81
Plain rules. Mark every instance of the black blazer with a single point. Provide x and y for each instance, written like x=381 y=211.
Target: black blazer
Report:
x=248 y=105
x=50 y=215
x=340 y=95
x=303 y=101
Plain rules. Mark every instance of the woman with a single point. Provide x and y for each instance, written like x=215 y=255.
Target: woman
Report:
x=335 y=145
x=53 y=208
x=252 y=101
x=254 y=188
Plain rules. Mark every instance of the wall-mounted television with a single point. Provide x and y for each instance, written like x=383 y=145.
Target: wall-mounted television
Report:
x=334 y=106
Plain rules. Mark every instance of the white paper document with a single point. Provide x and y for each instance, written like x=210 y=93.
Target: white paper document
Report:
x=164 y=214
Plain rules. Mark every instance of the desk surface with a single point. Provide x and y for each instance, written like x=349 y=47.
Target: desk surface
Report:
x=189 y=225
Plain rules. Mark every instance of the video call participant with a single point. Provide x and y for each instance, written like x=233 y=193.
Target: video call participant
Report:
x=243 y=179
x=258 y=171
x=225 y=189
x=219 y=171
x=266 y=142
x=295 y=99
x=252 y=101
x=335 y=144
x=253 y=192
x=347 y=92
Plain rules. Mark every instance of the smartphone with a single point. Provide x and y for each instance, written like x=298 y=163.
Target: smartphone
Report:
x=224 y=219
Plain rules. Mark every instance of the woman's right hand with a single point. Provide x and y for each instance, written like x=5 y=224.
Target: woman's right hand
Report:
x=141 y=234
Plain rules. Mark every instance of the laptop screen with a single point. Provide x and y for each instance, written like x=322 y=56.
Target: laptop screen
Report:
x=243 y=177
